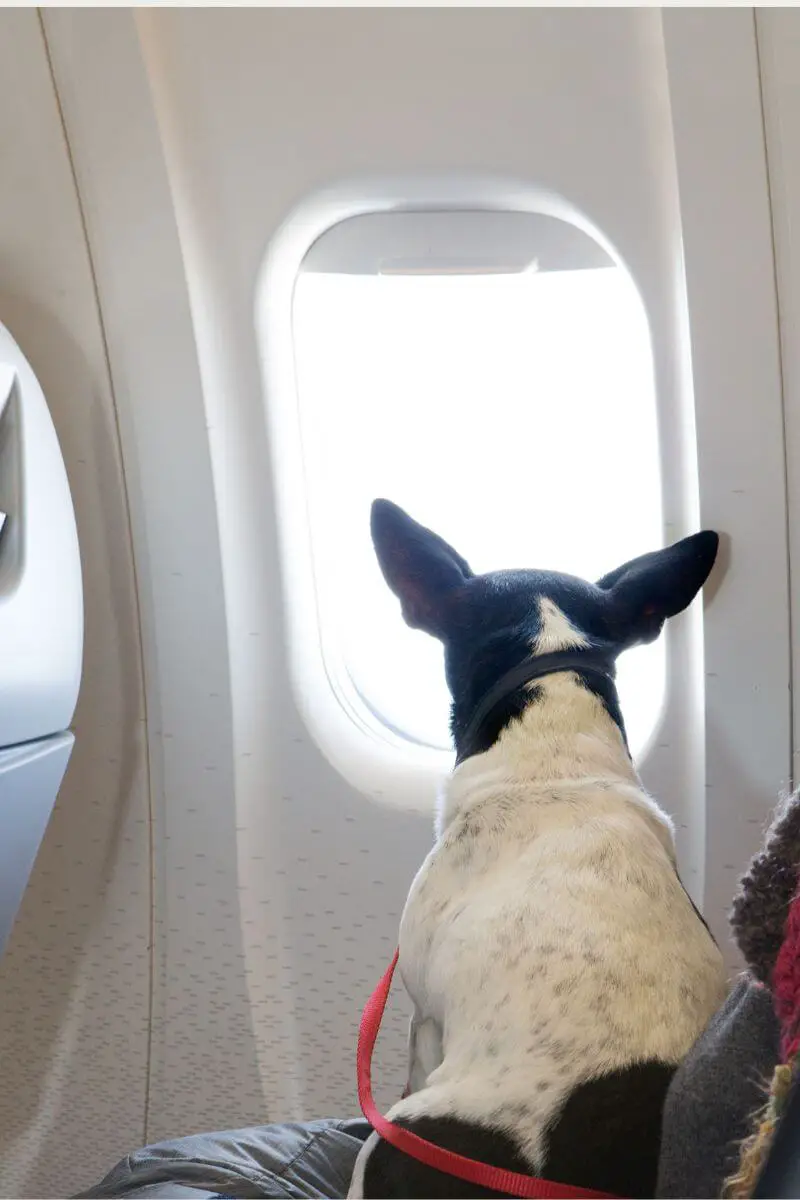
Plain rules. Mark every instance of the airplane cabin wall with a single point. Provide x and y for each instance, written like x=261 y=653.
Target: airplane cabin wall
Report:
x=74 y=980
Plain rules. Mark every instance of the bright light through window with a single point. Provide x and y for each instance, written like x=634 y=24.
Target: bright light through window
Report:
x=512 y=413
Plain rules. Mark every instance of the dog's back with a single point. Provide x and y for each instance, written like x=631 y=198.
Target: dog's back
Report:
x=558 y=969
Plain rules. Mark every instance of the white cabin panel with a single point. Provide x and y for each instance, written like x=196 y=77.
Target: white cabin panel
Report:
x=778 y=33
x=75 y=974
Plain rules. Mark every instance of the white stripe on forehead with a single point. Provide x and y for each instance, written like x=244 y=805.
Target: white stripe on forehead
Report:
x=557 y=631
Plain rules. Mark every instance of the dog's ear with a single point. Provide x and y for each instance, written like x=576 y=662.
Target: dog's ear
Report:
x=646 y=591
x=419 y=566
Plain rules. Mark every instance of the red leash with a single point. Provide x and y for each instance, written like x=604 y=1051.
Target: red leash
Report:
x=509 y=1182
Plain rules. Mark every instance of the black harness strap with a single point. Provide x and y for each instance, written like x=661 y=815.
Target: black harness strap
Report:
x=592 y=662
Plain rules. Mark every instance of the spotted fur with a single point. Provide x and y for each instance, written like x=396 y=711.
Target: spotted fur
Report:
x=557 y=967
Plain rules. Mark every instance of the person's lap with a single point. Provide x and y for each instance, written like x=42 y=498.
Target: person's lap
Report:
x=308 y=1159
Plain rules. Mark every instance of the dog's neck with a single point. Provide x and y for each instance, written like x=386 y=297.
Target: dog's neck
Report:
x=565 y=737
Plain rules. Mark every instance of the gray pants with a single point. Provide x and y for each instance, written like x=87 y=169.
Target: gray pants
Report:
x=314 y=1158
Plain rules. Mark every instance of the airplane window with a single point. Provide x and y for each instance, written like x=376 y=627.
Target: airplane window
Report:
x=491 y=373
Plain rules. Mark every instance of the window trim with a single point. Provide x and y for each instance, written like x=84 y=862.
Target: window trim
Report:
x=376 y=761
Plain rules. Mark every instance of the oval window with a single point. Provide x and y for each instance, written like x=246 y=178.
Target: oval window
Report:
x=492 y=373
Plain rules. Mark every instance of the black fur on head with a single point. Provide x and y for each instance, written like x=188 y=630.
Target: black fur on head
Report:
x=489 y=623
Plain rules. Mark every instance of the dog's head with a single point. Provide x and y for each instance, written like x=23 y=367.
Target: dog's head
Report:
x=490 y=623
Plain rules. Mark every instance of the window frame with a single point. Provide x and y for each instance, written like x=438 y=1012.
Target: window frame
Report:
x=373 y=759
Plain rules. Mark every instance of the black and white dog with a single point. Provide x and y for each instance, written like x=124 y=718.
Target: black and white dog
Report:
x=558 y=969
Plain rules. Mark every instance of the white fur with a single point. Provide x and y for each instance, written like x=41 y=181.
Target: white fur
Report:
x=557 y=632
x=547 y=931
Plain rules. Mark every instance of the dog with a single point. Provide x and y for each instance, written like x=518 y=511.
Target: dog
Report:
x=558 y=970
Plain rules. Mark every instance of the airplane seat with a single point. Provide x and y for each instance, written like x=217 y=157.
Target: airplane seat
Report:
x=41 y=623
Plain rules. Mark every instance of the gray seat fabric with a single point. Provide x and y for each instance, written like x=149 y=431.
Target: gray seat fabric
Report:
x=715 y=1092
x=314 y=1158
